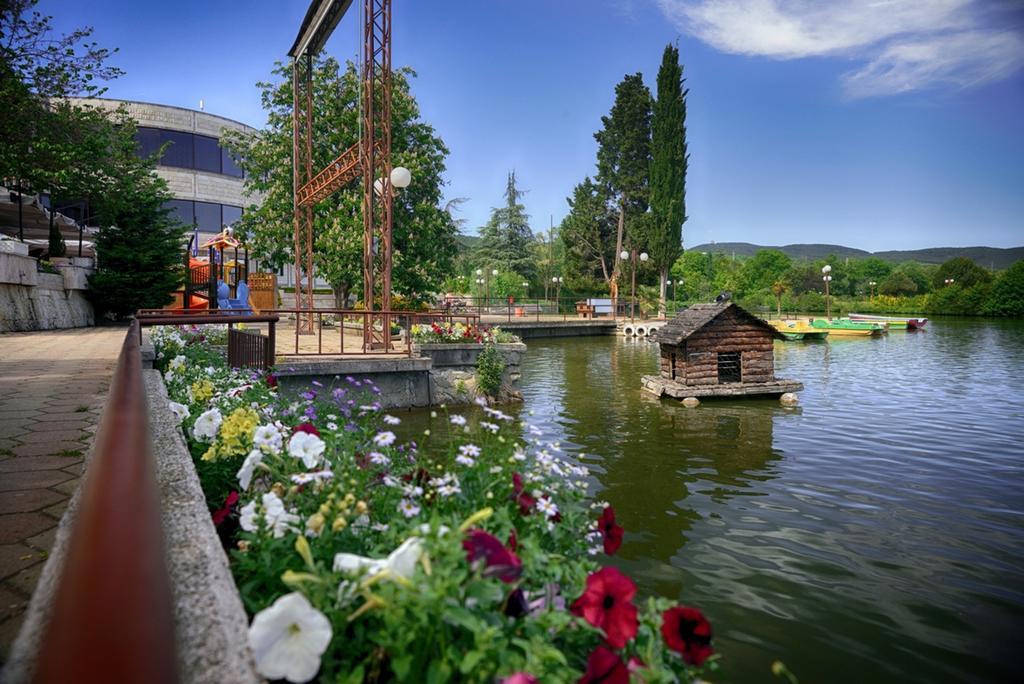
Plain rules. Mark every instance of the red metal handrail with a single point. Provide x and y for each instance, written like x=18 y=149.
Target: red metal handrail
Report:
x=113 y=617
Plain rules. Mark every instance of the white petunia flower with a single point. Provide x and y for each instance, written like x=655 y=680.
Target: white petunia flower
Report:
x=180 y=411
x=306 y=478
x=273 y=512
x=401 y=561
x=307 y=447
x=391 y=420
x=288 y=638
x=244 y=475
x=268 y=438
x=177 y=362
x=458 y=420
x=384 y=439
x=207 y=425
x=408 y=508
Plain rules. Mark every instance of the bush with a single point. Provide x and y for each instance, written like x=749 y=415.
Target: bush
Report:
x=362 y=559
x=490 y=367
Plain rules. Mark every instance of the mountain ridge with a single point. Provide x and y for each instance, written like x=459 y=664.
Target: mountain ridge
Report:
x=991 y=257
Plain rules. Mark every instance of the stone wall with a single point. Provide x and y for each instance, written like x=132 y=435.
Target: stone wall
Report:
x=30 y=300
x=440 y=374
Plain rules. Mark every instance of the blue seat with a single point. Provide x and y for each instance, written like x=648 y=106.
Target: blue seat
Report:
x=223 y=295
x=242 y=300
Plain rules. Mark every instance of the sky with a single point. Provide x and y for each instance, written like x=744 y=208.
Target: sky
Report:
x=876 y=124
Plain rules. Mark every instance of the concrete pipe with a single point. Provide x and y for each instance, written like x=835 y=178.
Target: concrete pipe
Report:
x=628 y=330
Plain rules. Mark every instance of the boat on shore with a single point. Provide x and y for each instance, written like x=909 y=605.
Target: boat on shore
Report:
x=895 y=322
x=847 y=328
x=798 y=330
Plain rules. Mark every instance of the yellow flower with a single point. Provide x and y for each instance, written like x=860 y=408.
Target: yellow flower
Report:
x=235 y=435
x=202 y=390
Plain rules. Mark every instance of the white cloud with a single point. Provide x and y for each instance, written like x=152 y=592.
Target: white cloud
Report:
x=906 y=44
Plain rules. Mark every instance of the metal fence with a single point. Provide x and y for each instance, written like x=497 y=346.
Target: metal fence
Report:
x=113 y=615
x=509 y=309
x=250 y=349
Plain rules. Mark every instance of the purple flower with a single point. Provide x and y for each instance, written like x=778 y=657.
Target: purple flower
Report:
x=308 y=395
x=318 y=383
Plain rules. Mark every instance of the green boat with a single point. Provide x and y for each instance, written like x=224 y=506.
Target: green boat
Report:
x=848 y=328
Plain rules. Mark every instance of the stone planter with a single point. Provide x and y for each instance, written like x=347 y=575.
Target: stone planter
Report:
x=453 y=371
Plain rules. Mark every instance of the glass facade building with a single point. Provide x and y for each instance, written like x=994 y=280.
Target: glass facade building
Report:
x=187 y=151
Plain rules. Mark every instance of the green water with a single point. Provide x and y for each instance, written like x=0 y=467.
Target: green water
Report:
x=874 y=533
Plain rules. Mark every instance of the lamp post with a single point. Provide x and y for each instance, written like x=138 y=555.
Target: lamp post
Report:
x=827 y=277
x=632 y=255
x=526 y=289
x=872 y=283
x=949 y=281
x=557 y=280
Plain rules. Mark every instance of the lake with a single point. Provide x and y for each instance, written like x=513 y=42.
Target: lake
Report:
x=873 y=533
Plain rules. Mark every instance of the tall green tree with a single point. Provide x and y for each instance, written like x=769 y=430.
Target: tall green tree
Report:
x=624 y=163
x=587 y=234
x=505 y=240
x=139 y=245
x=963 y=271
x=423 y=231
x=669 y=161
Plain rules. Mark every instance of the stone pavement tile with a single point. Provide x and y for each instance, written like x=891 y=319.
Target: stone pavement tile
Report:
x=32 y=479
x=58 y=415
x=16 y=415
x=15 y=557
x=16 y=527
x=38 y=463
x=50 y=436
x=44 y=540
x=11 y=603
x=28 y=500
x=70 y=449
x=25 y=580
x=56 y=511
x=13 y=430
x=68 y=486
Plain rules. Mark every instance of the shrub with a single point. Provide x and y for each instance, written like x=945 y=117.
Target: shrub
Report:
x=490 y=367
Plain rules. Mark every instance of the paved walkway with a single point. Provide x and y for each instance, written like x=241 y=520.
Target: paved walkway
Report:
x=52 y=388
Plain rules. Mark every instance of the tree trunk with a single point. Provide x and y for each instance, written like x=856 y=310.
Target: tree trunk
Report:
x=662 y=309
x=340 y=296
x=615 y=258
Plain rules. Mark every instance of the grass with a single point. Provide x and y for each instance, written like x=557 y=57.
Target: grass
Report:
x=70 y=453
x=81 y=409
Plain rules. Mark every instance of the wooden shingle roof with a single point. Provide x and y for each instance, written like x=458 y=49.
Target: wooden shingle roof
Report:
x=697 y=316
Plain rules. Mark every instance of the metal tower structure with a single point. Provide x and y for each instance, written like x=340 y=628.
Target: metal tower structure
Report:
x=369 y=158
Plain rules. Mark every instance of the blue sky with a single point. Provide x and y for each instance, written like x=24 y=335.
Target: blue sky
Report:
x=878 y=124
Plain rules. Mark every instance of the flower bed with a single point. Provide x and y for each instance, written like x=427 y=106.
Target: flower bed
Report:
x=361 y=558
x=459 y=333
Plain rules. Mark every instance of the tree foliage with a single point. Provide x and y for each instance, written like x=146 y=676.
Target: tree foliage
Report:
x=505 y=240
x=669 y=160
x=423 y=231
x=139 y=246
x=588 y=237
x=963 y=271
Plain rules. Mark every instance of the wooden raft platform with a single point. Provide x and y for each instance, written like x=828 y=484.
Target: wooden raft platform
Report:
x=663 y=387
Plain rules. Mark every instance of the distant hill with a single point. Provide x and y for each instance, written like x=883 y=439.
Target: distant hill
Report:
x=467 y=243
x=989 y=257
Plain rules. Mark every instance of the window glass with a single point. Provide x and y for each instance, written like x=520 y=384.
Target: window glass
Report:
x=180 y=210
x=228 y=165
x=208 y=217
x=148 y=140
x=231 y=214
x=179 y=153
x=207 y=154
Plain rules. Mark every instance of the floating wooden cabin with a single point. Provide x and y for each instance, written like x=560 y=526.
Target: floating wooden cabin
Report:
x=719 y=349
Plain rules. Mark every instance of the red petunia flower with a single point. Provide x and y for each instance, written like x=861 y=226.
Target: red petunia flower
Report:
x=519 y=678
x=606 y=667
x=222 y=513
x=687 y=631
x=308 y=428
x=498 y=561
x=610 y=530
x=525 y=501
x=607 y=603
x=513 y=541
x=271 y=380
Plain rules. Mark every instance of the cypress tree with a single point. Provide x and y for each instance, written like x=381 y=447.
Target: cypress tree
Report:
x=668 y=169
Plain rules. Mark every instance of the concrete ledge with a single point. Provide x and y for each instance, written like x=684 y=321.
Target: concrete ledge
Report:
x=291 y=367
x=210 y=623
x=535 y=329
x=17 y=269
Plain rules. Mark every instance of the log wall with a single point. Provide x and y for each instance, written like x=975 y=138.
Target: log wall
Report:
x=696 y=359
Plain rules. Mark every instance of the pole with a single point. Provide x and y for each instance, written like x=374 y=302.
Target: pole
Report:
x=828 y=301
x=21 y=225
x=632 y=292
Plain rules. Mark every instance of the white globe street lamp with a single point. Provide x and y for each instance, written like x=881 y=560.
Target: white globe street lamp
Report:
x=400 y=177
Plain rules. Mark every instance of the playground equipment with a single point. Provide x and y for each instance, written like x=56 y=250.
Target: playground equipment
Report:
x=211 y=282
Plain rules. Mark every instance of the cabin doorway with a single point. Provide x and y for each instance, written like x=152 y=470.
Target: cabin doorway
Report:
x=729 y=367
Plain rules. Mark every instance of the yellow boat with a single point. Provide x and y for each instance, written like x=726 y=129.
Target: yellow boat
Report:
x=847 y=328
x=798 y=330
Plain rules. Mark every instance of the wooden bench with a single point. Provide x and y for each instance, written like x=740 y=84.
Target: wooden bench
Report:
x=584 y=310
